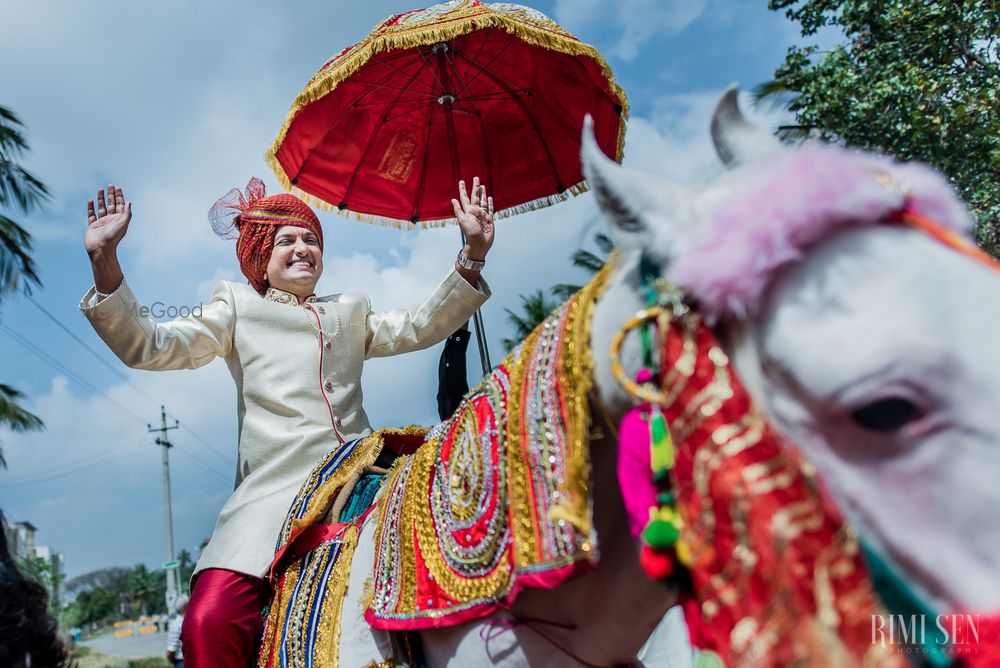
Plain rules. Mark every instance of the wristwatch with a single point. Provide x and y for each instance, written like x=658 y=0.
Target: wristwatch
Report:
x=471 y=265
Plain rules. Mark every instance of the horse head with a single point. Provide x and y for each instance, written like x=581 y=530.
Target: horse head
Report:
x=865 y=340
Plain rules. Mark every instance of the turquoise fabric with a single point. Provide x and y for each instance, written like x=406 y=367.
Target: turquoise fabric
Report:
x=362 y=497
x=901 y=601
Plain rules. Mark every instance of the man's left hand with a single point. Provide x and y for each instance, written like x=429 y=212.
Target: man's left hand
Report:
x=474 y=212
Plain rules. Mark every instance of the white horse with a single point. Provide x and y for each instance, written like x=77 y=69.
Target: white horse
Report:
x=868 y=346
x=868 y=343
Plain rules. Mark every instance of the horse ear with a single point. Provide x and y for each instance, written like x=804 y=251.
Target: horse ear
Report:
x=736 y=139
x=625 y=196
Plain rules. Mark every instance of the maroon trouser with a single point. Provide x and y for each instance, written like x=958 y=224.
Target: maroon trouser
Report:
x=223 y=624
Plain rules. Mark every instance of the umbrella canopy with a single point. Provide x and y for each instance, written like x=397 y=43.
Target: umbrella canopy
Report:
x=386 y=128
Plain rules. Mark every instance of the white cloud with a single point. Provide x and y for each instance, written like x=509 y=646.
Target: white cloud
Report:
x=635 y=22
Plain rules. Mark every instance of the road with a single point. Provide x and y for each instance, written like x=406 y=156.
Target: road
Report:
x=129 y=647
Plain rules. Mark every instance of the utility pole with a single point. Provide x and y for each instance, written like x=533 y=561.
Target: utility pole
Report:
x=169 y=566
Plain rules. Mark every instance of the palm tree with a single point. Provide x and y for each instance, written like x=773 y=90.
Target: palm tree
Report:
x=777 y=94
x=588 y=261
x=536 y=307
x=13 y=416
x=22 y=191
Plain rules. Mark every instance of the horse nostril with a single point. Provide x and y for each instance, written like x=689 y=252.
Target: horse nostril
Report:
x=886 y=415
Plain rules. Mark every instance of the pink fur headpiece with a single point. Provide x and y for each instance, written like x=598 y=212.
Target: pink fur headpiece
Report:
x=779 y=207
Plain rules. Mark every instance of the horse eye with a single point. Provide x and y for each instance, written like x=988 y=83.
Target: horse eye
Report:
x=886 y=415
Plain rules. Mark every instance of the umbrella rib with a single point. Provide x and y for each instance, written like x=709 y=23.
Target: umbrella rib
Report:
x=527 y=115
x=499 y=95
x=482 y=126
x=371 y=140
x=410 y=111
x=396 y=70
x=418 y=200
x=427 y=100
x=488 y=63
x=482 y=45
x=372 y=84
x=449 y=58
x=427 y=65
x=335 y=123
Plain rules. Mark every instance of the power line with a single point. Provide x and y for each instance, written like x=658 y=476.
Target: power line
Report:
x=83 y=382
x=100 y=358
x=78 y=466
x=211 y=448
x=205 y=467
x=61 y=367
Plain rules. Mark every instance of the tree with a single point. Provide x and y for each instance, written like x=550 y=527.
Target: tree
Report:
x=141 y=588
x=917 y=79
x=93 y=606
x=22 y=191
x=588 y=261
x=13 y=416
x=185 y=567
x=536 y=307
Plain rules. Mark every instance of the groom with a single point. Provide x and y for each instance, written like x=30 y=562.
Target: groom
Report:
x=296 y=360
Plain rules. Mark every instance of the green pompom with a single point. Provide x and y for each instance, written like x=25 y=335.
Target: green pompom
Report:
x=661 y=446
x=665 y=498
x=660 y=535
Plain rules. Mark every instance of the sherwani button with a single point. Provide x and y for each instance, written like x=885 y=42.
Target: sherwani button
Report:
x=322 y=311
x=328 y=385
x=327 y=345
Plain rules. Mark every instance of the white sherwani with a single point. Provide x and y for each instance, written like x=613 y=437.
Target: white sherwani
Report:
x=298 y=383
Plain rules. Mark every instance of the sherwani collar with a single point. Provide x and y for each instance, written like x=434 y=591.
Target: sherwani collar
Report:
x=282 y=297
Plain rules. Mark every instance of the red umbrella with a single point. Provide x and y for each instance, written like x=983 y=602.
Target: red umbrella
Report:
x=376 y=133
x=386 y=128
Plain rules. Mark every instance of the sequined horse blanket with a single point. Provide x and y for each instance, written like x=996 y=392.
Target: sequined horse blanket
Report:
x=496 y=500
x=488 y=503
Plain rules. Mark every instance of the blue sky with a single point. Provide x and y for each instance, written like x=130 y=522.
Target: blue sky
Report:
x=177 y=103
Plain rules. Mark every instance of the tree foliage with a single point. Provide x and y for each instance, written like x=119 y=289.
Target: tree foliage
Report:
x=537 y=306
x=93 y=606
x=919 y=79
x=13 y=416
x=20 y=190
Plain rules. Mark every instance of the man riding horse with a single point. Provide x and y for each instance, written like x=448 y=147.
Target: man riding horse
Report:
x=296 y=359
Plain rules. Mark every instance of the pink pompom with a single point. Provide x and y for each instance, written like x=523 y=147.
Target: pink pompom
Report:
x=634 y=476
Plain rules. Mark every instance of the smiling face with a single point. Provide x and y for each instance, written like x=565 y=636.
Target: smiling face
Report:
x=296 y=261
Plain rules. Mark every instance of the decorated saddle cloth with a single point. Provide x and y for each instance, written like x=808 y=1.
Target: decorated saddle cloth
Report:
x=485 y=504
x=497 y=498
x=314 y=549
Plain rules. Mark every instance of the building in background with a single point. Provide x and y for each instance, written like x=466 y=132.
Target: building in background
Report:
x=21 y=543
x=21 y=539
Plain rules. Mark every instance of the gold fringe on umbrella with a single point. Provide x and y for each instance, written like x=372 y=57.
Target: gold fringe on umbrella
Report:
x=465 y=17
x=399 y=224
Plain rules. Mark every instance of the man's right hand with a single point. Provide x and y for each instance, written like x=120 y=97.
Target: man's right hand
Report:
x=108 y=223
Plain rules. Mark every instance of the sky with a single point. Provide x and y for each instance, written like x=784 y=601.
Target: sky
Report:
x=177 y=102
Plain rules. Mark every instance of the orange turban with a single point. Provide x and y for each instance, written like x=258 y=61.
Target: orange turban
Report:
x=254 y=218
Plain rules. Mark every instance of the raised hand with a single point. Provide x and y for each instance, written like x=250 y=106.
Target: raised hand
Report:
x=108 y=222
x=474 y=212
